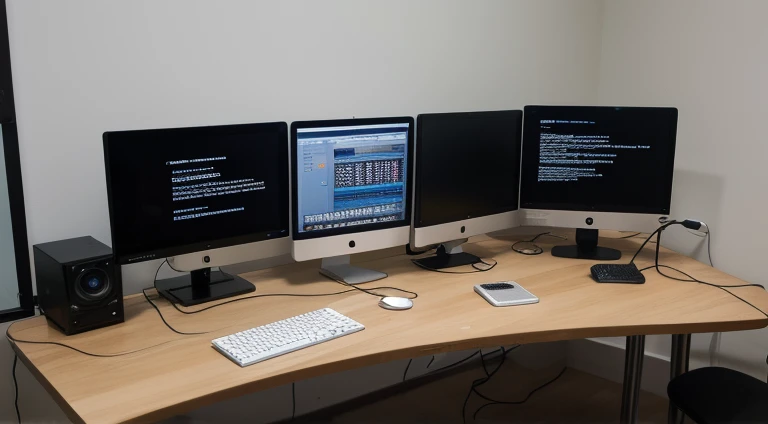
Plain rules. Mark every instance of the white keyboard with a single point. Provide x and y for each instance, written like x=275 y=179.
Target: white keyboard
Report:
x=280 y=337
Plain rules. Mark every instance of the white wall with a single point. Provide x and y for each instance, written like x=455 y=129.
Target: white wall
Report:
x=82 y=67
x=710 y=59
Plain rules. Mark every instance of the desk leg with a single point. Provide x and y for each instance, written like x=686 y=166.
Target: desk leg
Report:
x=681 y=347
x=633 y=374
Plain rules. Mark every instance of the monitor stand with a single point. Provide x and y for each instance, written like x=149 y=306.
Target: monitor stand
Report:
x=202 y=285
x=586 y=248
x=448 y=255
x=338 y=268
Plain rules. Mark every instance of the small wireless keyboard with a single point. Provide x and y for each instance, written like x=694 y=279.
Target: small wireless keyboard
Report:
x=617 y=273
x=278 y=338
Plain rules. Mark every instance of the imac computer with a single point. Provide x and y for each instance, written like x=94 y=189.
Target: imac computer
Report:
x=351 y=191
x=467 y=179
x=593 y=168
x=202 y=197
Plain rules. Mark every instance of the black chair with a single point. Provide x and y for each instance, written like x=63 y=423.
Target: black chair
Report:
x=715 y=395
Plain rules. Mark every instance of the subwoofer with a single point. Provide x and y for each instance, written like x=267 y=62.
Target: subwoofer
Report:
x=78 y=284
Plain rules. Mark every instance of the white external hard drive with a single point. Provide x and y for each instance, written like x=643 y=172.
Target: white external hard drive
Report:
x=505 y=293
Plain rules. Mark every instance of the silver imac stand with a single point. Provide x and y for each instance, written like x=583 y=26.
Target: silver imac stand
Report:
x=338 y=268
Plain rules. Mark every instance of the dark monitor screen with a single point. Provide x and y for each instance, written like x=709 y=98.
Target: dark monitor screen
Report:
x=351 y=175
x=606 y=159
x=177 y=191
x=467 y=165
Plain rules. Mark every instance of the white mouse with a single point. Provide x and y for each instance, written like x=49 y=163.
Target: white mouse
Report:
x=396 y=303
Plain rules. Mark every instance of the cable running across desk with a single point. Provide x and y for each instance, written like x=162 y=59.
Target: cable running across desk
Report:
x=535 y=249
x=691 y=279
x=490 y=267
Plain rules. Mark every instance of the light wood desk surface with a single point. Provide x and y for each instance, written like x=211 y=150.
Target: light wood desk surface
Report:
x=185 y=372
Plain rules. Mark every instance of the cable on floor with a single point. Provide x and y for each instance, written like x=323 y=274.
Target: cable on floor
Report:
x=531 y=393
x=405 y=373
x=16 y=388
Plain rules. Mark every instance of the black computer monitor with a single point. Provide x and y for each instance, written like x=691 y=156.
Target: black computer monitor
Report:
x=199 y=190
x=596 y=168
x=467 y=179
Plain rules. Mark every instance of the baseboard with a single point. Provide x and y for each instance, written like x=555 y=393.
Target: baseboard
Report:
x=606 y=360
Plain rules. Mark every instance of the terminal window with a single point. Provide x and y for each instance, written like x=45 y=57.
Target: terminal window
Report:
x=598 y=158
x=350 y=176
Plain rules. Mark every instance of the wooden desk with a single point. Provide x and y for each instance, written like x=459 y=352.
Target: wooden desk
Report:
x=185 y=372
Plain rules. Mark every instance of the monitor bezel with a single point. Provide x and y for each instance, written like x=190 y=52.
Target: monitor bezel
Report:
x=417 y=212
x=581 y=207
x=124 y=258
x=405 y=222
x=26 y=308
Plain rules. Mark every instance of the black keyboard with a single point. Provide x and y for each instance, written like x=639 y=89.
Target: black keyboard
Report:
x=617 y=273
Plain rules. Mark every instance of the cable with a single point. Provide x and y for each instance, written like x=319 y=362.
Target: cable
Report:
x=293 y=395
x=725 y=288
x=535 y=249
x=97 y=355
x=405 y=373
x=479 y=381
x=474 y=416
x=16 y=388
x=491 y=374
x=430 y=361
x=144 y=292
x=455 y=363
x=490 y=267
x=661 y=228
x=630 y=236
x=372 y=293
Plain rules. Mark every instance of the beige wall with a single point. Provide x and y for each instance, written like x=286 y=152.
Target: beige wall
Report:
x=83 y=67
x=710 y=59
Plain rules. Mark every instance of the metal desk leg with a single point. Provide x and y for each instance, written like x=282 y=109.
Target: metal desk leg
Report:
x=681 y=347
x=633 y=374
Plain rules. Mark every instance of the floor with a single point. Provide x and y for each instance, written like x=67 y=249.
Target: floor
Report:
x=575 y=397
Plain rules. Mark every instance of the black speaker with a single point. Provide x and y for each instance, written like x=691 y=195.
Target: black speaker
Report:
x=78 y=284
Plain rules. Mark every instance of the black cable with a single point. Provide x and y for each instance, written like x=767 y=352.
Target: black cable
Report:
x=293 y=395
x=709 y=247
x=16 y=388
x=405 y=373
x=372 y=293
x=480 y=381
x=630 y=236
x=97 y=355
x=144 y=292
x=650 y=236
x=536 y=250
x=455 y=363
x=490 y=267
x=411 y=252
x=725 y=288
x=474 y=416
x=491 y=374
x=430 y=361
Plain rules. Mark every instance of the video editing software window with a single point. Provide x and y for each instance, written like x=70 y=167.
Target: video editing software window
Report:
x=351 y=175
